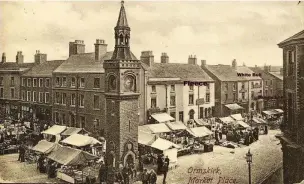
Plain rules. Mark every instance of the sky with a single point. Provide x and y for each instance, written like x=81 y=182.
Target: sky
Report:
x=217 y=32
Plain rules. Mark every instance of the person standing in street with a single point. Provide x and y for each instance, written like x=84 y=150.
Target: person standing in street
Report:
x=145 y=177
x=153 y=177
x=165 y=171
x=125 y=174
x=103 y=173
x=159 y=163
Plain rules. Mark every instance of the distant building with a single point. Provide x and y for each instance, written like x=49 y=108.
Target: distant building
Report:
x=231 y=90
x=36 y=89
x=292 y=139
x=272 y=88
x=169 y=88
x=255 y=87
x=10 y=73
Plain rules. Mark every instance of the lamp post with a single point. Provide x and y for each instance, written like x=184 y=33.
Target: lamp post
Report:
x=249 y=161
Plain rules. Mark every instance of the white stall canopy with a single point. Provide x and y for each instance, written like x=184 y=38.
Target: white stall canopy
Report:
x=54 y=130
x=227 y=120
x=243 y=124
x=145 y=138
x=176 y=125
x=234 y=106
x=237 y=117
x=163 y=144
x=158 y=128
x=162 y=117
x=44 y=146
x=200 y=131
x=80 y=140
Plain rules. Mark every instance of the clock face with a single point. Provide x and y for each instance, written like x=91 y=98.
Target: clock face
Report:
x=129 y=83
x=112 y=82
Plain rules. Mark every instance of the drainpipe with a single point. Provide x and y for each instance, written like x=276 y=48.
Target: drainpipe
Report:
x=77 y=100
x=167 y=109
x=198 y=96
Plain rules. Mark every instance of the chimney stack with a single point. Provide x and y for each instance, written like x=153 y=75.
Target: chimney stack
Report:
x=147 y=57
x=192 y=60
x=203 y=63
x=100 y=49
x=39 y=57
x=3 y=60
x=19 y=57
x=164 y=58
x=234 y=64
x=76 y=47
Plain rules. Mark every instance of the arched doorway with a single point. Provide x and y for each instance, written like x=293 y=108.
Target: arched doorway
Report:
x=206 y=113
x=129 y=159
x=191 y=114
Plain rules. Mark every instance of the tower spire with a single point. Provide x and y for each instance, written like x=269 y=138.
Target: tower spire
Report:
x=122 y=19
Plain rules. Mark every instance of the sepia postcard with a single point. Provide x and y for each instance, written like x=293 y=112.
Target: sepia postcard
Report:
x=152 y=92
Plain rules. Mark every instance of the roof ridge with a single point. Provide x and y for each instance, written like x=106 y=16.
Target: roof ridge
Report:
x=292 y=37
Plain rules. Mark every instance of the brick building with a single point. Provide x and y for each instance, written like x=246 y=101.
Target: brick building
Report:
x=231 y=90
x=255 y=88
x=167 y=92
x=10 y=73
x=36 y=89
x=292 y=139
x=78 y=87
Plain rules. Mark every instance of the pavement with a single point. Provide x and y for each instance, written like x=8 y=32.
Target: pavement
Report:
x=13 y=171
x=223 y=165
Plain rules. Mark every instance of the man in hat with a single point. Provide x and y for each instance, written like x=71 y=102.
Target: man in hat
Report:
x=103 y=173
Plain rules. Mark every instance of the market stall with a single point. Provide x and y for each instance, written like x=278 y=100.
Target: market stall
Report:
x=73 y=161
x=73 y=130
x=45 y=147
x=53 y=133
x=85 y=142
x=242 y=125
x=167 y=148
x=237 y=117
x=162 y=117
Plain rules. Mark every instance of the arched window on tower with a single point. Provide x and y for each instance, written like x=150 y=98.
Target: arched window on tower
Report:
x=127 y=40
x=121 y=40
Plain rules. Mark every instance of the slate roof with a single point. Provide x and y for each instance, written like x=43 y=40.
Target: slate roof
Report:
x=246 y=70
x=277 y=75
x=188 y=72
x=265 y=75
x=44 y=69
x=83 y=63
x=15 y=66
x=298 y=36
x=225 y=73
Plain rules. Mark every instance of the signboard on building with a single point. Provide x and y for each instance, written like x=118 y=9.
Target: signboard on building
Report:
x=200 y=101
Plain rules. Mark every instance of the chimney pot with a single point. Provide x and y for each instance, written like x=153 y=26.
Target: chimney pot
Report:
x=19 y=57
x=3 y=58
x=164 y=58
x=76 y=47
x=100 y=49
x=147 y=57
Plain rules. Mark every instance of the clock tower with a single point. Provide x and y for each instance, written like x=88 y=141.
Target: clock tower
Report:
x=122 y=99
